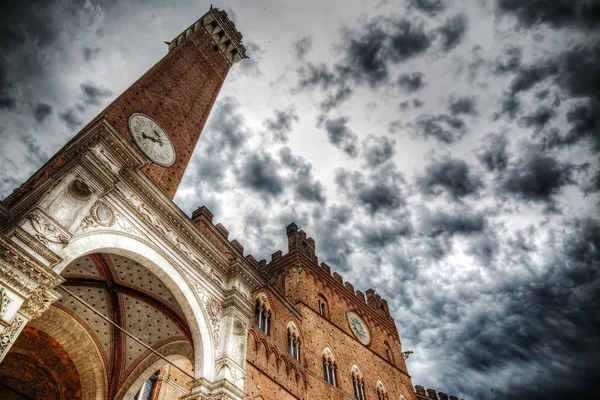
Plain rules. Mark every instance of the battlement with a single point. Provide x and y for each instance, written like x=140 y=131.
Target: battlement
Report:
x=299 y=243
x=430 y=394
x=227 y=38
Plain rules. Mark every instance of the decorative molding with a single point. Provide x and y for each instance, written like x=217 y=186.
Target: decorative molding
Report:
x=80 y=190
x=38 y=302
x=10 y=333
x=47 y=231
x=4 y=302
x=22 y=273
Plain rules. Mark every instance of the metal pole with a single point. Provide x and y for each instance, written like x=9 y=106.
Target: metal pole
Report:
x=121 y=329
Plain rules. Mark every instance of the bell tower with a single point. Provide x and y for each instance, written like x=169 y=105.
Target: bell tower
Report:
x=163 y=113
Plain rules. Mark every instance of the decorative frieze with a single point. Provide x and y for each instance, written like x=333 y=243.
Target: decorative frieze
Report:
x=46 y=231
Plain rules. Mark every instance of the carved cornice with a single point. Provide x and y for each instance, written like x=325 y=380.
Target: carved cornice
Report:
x=39 y=248
x=21 y=272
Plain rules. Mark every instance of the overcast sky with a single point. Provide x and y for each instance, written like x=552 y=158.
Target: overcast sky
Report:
x=442 y=152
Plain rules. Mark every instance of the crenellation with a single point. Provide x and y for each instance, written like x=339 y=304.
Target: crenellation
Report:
x=262 y=264
x=222 y=229
x=443 y=396
x=432 y=394
x=326 y=267
x=338 y=278
x=349 y=286
x=238 y=246
x=202 y=211
x=252 y=260
x=361 y=296
x=276 y=256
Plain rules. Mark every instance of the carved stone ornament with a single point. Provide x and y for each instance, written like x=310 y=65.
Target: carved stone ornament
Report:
x=10 y=333
x=214 y=310
x=46 y=231
x=38 y=302
x=80 y=190
x=149 y=216
x=101 y=214
x=4 y=302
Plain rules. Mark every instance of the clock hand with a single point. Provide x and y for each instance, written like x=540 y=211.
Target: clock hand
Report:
x=148 y=137
x=158 y=140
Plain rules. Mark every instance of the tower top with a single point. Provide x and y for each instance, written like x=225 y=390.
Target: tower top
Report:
x=223 y=31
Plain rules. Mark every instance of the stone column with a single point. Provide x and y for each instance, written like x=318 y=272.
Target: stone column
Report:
x=230 y=355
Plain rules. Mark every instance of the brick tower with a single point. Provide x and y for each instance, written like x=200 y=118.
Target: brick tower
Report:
x=180 y=90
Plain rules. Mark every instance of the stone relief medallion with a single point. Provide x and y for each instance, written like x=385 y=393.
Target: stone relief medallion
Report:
x=103 y=214
x=359 y=328
x=152 y=139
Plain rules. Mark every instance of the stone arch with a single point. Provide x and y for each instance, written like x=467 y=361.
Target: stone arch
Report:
x=74 y=338
x=155 y=261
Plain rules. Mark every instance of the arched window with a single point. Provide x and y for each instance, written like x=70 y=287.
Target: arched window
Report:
x=293 y=341
x=329 y=368
x=381 y=392
x=323 y=307
x=388 y=353
x=262 y=314
x=358 y=383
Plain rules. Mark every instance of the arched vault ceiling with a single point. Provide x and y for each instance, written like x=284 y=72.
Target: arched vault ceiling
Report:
x=133 y=297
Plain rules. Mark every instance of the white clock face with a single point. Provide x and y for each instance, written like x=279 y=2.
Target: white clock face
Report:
x=152 y=139
x=359 y=328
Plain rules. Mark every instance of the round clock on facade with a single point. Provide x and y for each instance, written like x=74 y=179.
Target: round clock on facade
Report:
x=359 y=328
x=152 y=139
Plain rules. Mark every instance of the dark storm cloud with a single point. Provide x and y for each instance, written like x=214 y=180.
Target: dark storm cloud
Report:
x=90 y=52
x=539 y=118
x=537 y=177
x=378 y=236
x=94 y=94
x=306 y=187
x=302 y=47
x=450 y=175
x=281 y=124
x=335 y=98
x=7 y=100
x=453 y=31
x=411 y=82
x=341 y=136
x=583 y=14
x=70 y=118
x=311 y=75
x=462 y=105
x=494 y=154
x=508 y=61
x=259 y=174
x=41 y=111
x=442 y=223
x=34 y=153
x=381 y=190
x=431 y=7
x=376 y=150
x=334 y=247
x=485 y=247
x=544 y=326
x=226 y=126
x=445 y=128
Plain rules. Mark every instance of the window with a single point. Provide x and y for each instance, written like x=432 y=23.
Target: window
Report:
x=388 y=353
x=323 y=308
x=293 y=341
x=145 y=392
x=329 y=368
x=381 y=392
x=358 y=384
x=329 y=372
x=262 y=314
